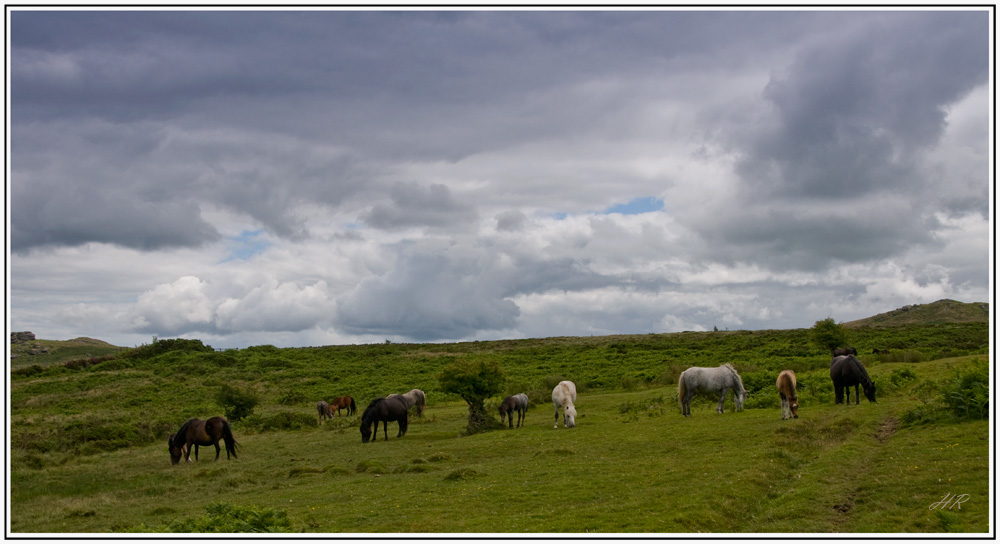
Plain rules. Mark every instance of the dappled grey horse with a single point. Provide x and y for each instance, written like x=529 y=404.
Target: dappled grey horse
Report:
x=721 y=379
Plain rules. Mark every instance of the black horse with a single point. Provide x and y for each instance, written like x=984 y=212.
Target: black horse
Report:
x=844 y=351
x=846 y=371
x=385 y=410
x=201 y=433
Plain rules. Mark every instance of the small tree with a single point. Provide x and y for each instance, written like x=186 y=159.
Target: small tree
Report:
x=235 y=403
x=828 y=334
x=474 y=382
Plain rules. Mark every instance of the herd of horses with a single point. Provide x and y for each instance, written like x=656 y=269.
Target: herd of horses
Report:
x=845 y=371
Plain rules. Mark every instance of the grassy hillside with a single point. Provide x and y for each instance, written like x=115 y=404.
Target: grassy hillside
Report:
x=935 y=313
x=88 y=454
x=53 y=352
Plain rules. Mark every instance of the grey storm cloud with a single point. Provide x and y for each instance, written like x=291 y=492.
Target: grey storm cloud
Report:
x=447 y=175
x=428 y=295
x=414 y=206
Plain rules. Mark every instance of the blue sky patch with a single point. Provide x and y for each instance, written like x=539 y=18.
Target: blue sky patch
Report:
x=636 y=206
x=246 y=245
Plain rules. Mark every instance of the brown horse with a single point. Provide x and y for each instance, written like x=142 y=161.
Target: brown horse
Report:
x=786 y=390
x=347 y=402
x=201 y=433
x=324 y=411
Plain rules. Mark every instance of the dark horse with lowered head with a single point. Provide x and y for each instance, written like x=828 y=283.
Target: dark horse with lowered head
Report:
x=201 y=433
x=514 y=403
x=846 y=371
x=385 y=410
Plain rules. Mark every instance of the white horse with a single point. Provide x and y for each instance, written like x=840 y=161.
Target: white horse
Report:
x=413 y=397
x=722 y=379
x=564 y=395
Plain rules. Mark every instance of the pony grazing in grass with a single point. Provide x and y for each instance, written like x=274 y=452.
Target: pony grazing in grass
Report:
x=786 y=390
x=564 y=395
x=518 y=403
x=201 y=433
x=324 y=410
x=721 y=379
x=846 y=371
x=413 y=397
x=347 y=402
x=384 y=409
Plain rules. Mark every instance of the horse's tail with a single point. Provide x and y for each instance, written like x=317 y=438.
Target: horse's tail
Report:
x=354 y=407
x=681 y=390
x=227 y=436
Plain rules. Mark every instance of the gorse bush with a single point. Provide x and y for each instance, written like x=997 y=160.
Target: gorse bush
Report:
x=159 y=347
x=236 y=403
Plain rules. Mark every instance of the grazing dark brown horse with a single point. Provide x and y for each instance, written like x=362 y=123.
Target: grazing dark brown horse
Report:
x=201 y=433
x=518 y=403
x=786 y=390
x=385 y=410
x=324 y=411
x=846 y=371
x=347 y=402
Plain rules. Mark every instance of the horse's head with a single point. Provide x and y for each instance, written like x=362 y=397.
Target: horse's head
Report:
x=739 y=398
x=569 y=416
x=870 y=392
x=793 y=405
x=176 y=450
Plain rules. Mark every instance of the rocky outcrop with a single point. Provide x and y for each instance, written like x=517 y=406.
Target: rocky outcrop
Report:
x=21 y=337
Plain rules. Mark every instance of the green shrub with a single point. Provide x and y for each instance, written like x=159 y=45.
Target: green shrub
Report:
x=287 y=421
x=474 y=382
x=967 y=393
x=237 y=404
x=292 y=398
x=158 y=347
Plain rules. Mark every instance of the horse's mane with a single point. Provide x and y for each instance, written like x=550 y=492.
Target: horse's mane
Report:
x=737 y=381
x=860 y=369
x=370 y=410
x=184 y=427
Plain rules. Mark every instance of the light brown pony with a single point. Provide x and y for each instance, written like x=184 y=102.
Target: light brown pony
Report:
x=786 y=390
x=341 y=403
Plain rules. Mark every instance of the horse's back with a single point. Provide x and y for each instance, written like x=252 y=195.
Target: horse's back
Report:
x=786 y=378
x=563 y=392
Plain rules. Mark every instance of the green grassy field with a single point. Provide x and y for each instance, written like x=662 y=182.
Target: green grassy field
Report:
x=89 y=454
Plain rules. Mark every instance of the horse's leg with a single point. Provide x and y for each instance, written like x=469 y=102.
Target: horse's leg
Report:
x=722 y=401
x=385 y=429
x=857 y=397
x=557 y=418
x=218 y=450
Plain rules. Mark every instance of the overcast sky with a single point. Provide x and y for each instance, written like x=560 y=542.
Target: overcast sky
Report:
x=329 y=177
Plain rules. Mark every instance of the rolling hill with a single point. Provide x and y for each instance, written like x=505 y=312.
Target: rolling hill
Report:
x=935 y=313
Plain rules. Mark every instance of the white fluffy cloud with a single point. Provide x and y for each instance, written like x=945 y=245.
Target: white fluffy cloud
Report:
x=445 y=176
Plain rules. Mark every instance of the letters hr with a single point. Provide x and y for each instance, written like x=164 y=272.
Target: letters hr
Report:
x=950 y=501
